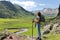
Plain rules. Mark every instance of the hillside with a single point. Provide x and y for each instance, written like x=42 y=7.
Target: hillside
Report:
x=9 y=10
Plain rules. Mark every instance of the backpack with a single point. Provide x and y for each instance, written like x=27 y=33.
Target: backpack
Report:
x=42 y=18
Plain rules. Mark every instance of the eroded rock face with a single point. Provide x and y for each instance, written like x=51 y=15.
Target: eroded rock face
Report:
x=57 y=28
x=46 y=29
x=54 y=28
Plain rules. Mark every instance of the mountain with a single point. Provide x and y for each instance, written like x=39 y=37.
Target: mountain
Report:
x=48 y=12
x=9 y=10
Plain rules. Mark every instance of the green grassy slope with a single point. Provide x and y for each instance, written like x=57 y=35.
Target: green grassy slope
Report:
x=9 y=10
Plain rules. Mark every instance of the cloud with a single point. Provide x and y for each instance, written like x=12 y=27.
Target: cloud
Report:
x=26 y=4
x=29 y=5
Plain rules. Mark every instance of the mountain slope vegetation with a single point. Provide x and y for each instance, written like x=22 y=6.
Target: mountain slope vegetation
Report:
x=9 y=10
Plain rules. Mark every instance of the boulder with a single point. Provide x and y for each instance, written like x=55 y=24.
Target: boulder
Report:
x=52 y=28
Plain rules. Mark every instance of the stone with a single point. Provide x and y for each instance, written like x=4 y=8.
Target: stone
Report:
x=51 y=28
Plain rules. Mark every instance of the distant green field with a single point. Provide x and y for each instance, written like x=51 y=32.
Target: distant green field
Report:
x=13 y=23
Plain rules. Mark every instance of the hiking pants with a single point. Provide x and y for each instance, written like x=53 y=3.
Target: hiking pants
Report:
x=38 y=30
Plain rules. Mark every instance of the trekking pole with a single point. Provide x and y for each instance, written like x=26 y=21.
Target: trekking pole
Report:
x=32 y=31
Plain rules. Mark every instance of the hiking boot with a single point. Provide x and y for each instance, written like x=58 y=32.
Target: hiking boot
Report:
x=38 y=38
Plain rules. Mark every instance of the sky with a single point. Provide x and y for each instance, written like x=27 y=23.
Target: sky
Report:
x=32 y=5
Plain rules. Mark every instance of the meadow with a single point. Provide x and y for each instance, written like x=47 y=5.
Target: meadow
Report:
x=23 y=23
x=17 y=23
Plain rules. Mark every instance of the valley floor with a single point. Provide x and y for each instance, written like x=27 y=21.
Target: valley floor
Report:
x=23 y=23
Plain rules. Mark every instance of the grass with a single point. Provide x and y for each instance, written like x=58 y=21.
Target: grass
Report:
x=13 y=30
x=18 y=23
x=53 y=37
x=15 y=23
x=23 y=23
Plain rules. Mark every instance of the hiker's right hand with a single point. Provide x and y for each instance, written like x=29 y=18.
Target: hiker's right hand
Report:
x=32 y=21
x=36 y=20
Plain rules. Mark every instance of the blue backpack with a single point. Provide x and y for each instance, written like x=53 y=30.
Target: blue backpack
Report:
x=42 y=18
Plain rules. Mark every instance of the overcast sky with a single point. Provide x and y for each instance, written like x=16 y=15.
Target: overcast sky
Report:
x=32 y=5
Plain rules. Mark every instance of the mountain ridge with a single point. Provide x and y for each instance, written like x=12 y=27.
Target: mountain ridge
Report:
x=9 y=10
x=48 y=12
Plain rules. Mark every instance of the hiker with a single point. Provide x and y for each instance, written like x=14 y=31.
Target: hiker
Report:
x=37 y=21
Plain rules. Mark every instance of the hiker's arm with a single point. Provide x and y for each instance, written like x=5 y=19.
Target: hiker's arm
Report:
x=36 y=20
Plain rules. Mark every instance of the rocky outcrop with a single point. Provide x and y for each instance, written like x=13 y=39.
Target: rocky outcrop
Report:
x=52 y=28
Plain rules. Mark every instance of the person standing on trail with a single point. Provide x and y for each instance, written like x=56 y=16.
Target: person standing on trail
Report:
x=37 y=21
